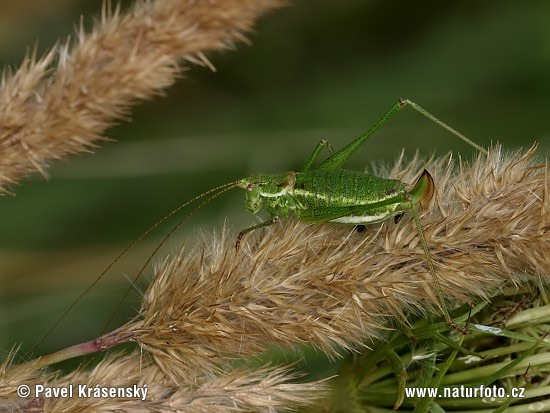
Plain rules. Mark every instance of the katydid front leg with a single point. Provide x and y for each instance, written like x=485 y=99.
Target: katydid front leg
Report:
x=267 y=223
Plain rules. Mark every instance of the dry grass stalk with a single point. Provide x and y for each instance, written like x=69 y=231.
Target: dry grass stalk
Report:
x=331 y=287
x=261 y=390
x=49 y=111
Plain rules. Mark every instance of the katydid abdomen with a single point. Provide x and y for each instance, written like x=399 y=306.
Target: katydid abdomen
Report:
x=323 y=195
x=335 y=195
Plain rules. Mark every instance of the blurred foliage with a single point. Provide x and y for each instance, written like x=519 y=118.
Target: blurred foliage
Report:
x=318 y=69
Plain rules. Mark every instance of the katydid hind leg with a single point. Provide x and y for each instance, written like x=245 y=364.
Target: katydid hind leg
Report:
x=433 y=273
x=436 y=120
x=336 y=160
x=245 y=231
x=340 y=157
x=322 y=144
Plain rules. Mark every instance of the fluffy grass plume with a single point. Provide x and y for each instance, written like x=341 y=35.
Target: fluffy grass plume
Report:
x=62 y=103
x=266 y=389
x=322 y=285
x=333 y=288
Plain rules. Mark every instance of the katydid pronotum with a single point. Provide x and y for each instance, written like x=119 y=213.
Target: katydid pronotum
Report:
x=325 y=194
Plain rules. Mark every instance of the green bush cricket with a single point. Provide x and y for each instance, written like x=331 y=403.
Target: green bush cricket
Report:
x=332 y=194
x=327 y=193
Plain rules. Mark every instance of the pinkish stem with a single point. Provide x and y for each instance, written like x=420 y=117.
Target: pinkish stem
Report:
x=104 y=342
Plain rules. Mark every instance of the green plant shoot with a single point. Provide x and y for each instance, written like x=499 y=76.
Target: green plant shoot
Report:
x=325 y=194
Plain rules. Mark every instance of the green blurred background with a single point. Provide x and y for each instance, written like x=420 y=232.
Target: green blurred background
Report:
x=318 y=69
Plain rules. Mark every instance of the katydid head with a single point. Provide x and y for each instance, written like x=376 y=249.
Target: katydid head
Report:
x=259 y=186
x=253 y=200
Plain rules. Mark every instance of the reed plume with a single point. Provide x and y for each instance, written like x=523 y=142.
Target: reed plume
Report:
x=322 y=285
x=10 y=378
x=334 y=288
x=266 y=389
x=62 y=103
x=331 y=287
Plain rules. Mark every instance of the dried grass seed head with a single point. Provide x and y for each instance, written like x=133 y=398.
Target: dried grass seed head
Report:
x=266 y=389
x=49 y=111
x=331 y=287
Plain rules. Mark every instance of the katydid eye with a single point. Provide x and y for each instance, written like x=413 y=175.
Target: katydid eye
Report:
x=250 y=187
